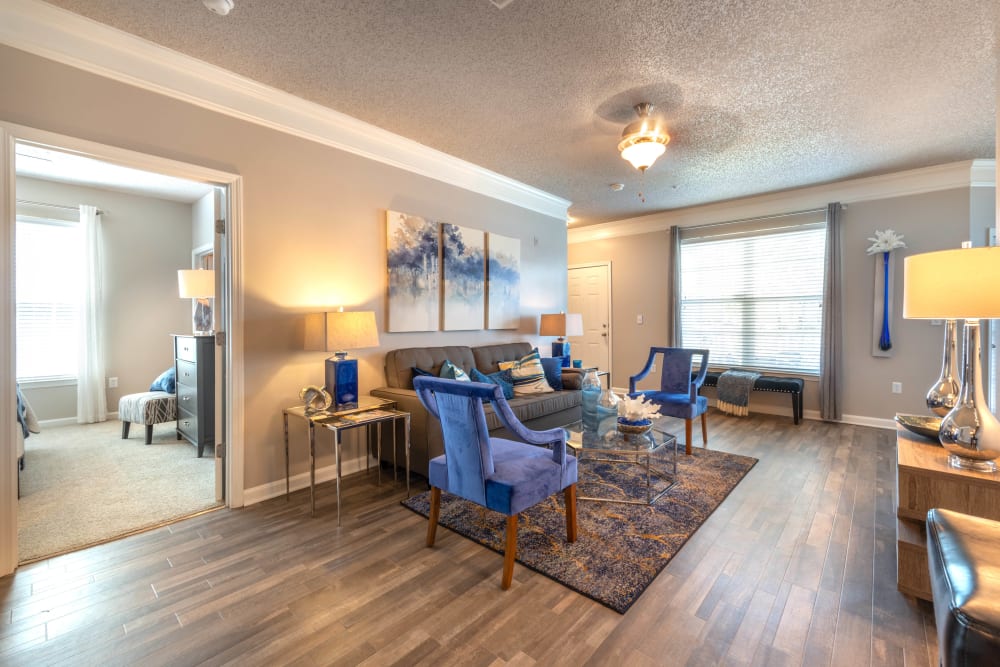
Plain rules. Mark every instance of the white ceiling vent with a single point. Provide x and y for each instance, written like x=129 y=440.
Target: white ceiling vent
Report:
x=500 y=4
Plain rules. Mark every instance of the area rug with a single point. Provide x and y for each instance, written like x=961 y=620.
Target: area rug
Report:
x=620 y=548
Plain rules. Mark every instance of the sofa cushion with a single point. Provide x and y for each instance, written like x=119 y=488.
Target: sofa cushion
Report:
x=399 y=363
x=529 y=376
x=527 y=408
x=488 y=357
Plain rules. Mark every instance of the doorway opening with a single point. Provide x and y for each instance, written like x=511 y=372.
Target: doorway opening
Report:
x=111 y=304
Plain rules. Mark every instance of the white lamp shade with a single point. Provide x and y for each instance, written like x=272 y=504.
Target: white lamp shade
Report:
x=561 y=324
x=339 y=330
x=959 y=284
x=196 y=283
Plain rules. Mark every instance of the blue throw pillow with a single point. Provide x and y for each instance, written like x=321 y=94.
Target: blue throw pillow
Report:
x=167 y=381
x=553 y=371
x=450 y=371
x=505 y=383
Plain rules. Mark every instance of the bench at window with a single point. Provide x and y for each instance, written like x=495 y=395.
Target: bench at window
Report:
x=791 y=386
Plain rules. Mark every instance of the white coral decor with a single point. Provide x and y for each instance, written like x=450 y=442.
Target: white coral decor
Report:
x=886 y=241
x=637 y=409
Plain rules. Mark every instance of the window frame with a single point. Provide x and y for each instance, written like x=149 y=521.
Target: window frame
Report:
x=758 y=228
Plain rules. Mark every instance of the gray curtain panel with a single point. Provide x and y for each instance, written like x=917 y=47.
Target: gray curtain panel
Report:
x=674 y=288
x=832 y=366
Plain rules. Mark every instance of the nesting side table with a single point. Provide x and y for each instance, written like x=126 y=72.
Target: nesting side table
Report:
x=371 y=411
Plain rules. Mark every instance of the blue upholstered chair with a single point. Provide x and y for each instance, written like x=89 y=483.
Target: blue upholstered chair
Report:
x=678 y=392
x=502 y=475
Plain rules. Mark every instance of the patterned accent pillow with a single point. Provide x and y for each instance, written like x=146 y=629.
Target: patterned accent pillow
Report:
x=529 y=376
x=505 y=382
x=452 y=372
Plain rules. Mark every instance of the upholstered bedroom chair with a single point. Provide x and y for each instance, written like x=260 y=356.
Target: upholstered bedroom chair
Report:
x=502 y=475
x=678 y=392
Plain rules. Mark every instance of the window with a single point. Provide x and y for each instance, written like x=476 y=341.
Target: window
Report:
x=48 y=268
x=752 y=294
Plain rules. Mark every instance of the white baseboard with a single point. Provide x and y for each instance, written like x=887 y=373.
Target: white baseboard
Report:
x=874 y=422
x=276 y=488
x=70 y=421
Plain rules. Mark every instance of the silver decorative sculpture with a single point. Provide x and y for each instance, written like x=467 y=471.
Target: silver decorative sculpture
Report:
x=943 y=394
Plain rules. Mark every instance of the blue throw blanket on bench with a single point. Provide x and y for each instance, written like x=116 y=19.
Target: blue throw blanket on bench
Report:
x=733 y=392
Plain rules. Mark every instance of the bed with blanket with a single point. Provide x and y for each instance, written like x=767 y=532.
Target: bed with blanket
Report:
x=27 y=424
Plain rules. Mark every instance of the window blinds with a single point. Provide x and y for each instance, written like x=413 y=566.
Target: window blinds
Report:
x=751 y=292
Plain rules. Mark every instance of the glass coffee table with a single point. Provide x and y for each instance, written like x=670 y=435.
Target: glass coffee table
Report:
x=649 y=451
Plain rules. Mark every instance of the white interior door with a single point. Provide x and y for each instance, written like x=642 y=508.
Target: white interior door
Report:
x=590 y=295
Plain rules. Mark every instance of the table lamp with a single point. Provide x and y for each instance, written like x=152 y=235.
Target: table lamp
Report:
x=954 y=285
x=198 y=284
x=336 y=332
x=561 y=324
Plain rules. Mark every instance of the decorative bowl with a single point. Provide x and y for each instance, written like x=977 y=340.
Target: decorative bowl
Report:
x=926 y=426
x=634 y=427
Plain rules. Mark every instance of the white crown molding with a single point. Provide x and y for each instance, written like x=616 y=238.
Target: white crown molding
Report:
x=969 y=173
x=60 y=35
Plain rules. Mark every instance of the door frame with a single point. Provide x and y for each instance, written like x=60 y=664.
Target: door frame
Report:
x=10 y=133
x=611 y=310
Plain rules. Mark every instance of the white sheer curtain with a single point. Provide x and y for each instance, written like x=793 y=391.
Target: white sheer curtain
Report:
x=91 y=401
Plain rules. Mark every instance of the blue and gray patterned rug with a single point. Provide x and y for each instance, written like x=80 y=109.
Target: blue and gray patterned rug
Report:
x=620 y=548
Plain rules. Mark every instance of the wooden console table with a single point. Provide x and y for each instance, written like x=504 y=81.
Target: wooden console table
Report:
x=925 y=480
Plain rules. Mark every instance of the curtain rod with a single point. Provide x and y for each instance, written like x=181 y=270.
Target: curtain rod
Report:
x=760 y=217
x=41 y=203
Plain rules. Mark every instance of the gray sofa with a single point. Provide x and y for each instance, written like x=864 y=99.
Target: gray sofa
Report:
x=537 y=411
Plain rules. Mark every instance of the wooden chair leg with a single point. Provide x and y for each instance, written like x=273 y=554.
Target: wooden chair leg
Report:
x=570 y=496
x=509 y=552
x=687 y=437
x=432 y=520
x=125 y=426
x=704 y=428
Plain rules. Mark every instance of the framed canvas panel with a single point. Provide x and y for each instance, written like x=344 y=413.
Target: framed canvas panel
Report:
x=463 y=252
x=412 y=250
x=504 y=282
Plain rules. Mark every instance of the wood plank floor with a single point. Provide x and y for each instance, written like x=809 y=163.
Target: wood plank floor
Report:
x=796 y=567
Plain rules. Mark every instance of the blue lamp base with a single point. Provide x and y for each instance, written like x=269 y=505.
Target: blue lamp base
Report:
x=561 y=350
x=342 y=382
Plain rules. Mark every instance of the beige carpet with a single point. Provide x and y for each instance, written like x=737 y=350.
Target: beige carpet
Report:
x=84 y=484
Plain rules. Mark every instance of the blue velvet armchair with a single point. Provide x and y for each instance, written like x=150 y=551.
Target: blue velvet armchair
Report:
x=502 y=475
x=678 y=392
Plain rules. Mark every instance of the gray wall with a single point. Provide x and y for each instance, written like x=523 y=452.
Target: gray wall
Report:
x=145 y=241
x=930 y=221
x=314 y=230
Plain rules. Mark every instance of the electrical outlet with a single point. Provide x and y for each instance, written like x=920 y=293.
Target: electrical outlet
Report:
x=112 y=383
x=897 y=387
x=639 y=318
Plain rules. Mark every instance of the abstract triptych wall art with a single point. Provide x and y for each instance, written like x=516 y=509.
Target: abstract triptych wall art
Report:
x=504 y=269
x=413 y=247
x=462 y=261
x=445 y=276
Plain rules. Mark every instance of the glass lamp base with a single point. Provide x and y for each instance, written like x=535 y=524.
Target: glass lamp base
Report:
x=956 y=461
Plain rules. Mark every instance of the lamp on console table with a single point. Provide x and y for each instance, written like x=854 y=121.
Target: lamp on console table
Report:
x=953 y=285
x=561 y=324
x=336 y=332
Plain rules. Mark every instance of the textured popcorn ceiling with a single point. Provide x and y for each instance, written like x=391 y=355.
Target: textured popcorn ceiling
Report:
x=758 y=96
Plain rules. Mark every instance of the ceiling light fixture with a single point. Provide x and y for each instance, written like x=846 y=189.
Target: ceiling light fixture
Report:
x=220 y=7
x=643 y=141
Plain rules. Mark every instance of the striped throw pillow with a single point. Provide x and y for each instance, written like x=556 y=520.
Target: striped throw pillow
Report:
x=528 y=374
